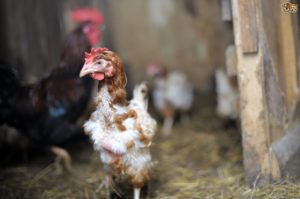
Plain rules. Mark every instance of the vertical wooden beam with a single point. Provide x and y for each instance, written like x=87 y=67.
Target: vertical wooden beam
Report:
x=231 y=60
x=260 y=163
x=226 y=10
x=247 y=12
x=288 y=47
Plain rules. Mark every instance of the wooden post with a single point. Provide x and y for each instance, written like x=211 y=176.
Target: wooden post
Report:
x=231 y=60
x=248 y=26
x=226 y=10
x=287 y=147
x=288 y=47
x=260 y=163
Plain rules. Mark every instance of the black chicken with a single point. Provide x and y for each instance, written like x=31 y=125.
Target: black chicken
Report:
x=46 y=112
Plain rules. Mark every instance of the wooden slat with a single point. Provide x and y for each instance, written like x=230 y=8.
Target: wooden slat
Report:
x=260 y=163
x=288 y=47
x=231 y=60
x=247 y=11
x=33 y=36
x=226 y=10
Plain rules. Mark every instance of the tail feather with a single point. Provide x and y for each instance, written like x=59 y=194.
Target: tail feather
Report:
x=9 y=84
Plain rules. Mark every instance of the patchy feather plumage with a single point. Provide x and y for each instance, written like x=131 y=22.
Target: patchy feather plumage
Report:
x=121 y=131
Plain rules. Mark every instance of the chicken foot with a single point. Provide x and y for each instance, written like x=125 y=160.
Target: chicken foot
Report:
x=167 y=126
x=61 y=155
x=108 y=183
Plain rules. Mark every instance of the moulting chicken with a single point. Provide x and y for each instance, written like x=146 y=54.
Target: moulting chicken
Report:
x=46 y=112
x=121 y=132
x=172 y=94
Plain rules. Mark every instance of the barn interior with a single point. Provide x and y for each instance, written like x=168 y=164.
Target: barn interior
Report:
x=238 y=139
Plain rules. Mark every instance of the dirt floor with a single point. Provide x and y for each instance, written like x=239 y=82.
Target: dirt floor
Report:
x=200 y=159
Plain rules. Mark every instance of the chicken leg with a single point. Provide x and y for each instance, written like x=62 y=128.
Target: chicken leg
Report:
x=105 y=183
x=61 y=155
x=167 y=126
x=108 y=184
x=137 y=192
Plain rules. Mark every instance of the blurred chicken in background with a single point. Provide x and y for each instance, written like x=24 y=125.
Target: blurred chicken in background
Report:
x=227 y=95
x=172 y=93
x=227 y=87
x=46 y=112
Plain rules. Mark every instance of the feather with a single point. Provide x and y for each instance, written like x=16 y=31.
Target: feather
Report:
x=121 y=131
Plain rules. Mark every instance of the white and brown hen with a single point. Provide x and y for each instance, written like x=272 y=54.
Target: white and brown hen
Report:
x=172 y=93
x=121 y=131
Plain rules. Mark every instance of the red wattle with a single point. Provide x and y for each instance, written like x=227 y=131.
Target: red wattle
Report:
x=97 y=76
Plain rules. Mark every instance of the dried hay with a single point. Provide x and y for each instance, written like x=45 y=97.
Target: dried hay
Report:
x=200 y=159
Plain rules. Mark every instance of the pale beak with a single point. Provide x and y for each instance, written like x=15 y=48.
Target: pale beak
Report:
x=100 y=66
x=89 y=68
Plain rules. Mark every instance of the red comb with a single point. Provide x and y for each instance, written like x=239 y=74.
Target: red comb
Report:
x=87 y=14
x=88 y=57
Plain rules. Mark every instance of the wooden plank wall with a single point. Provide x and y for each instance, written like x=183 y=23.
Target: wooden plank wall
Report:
x=268 y=81
x=32 y=34
x=288 y=46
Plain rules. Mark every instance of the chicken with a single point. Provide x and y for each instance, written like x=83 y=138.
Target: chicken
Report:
x=227 y=95
x=172 y=94
x=46 y=112
x=121 y=132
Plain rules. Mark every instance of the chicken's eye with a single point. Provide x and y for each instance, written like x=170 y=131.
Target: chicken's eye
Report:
x=143 y=91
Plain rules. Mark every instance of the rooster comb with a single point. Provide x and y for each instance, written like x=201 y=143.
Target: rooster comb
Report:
x=94 y=52
x=87 y=14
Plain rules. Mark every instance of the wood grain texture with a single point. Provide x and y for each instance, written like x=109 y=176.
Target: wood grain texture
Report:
x=260 y=163
x=289 y=54
x=33 y=35
x=231 y=60
x=247 y=12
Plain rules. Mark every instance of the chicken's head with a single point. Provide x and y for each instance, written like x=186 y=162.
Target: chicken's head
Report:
x=106 y=67
x=156 y=70
x=102 y=64
x=96 y=65
x=91 y=19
